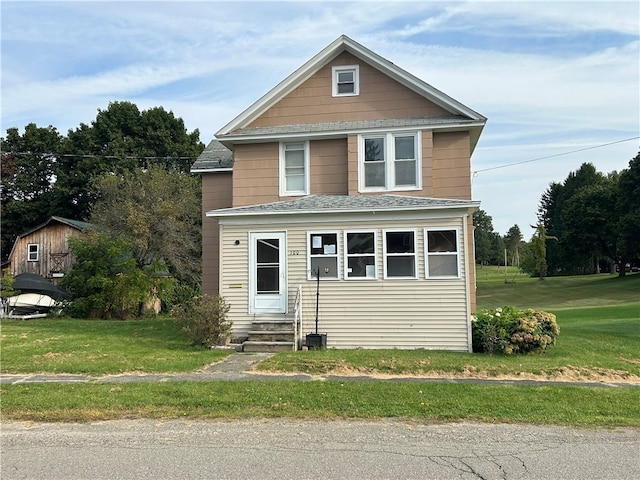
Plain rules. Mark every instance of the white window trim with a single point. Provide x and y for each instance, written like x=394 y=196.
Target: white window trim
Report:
x=427 y=254
x=283 y=181
x=389 y=156
x=374 y=254
x=310 y=274
x=356 y=80
x=29 y=252
x=385 y=255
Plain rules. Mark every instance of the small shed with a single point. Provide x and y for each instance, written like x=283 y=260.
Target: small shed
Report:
x=44 y=250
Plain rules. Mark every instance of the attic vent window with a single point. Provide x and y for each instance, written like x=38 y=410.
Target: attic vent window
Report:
x=346 y=80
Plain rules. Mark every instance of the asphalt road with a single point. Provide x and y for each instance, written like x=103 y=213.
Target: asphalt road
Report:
x=289 y=449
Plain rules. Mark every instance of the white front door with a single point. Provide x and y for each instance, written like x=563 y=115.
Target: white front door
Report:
x=267 y=273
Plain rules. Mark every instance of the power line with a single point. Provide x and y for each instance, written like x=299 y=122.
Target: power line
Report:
x=97 y=155
x=475 y=173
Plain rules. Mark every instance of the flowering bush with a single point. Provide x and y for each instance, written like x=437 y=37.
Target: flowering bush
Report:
x=511 y=330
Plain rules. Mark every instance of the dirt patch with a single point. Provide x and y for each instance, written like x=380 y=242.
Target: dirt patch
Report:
x=562 y=374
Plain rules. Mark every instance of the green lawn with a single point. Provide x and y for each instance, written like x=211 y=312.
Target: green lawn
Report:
x=433 y=402
x=99 y=347
x=555 y=293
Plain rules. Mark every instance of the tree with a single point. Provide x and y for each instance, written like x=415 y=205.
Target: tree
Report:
x=628 y=204
x=105 y=281
x=158 y=212
x=120 y=139
x=513 y=242
x=26 y=184
x=539 y=248
x=589 y=224
x=561 y=218
x=487 y=242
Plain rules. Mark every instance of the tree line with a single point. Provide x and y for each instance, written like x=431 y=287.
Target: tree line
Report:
x=589 y=223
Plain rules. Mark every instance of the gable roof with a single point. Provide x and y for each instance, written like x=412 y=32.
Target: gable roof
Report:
x=314 y=204
x=342 y=44
x=77 y=224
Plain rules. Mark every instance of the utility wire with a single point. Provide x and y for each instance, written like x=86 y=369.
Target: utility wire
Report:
x=475 y=173
x=97 y=155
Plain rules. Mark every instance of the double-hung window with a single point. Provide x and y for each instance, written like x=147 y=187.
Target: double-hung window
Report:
x=389 y=162
x=400 y=259
x=33 y=252
x=441 y=252
x=294 y=168
x=323 y=255
x=360 y=255
x=346 y=80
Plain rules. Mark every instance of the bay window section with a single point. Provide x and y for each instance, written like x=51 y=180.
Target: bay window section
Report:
x=360 y=253
x=322 y=249
x=294 y=168
x=400 y=259
x=442 y=255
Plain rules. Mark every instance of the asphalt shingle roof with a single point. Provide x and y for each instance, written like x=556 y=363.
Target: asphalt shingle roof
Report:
x=214 y=157
x=345 y=203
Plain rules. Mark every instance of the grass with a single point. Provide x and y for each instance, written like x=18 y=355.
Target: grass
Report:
x=599 y=318
x=435 y=402
x=99 y=347
x=554 y=293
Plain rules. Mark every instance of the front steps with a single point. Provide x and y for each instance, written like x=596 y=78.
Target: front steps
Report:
x=270 y=336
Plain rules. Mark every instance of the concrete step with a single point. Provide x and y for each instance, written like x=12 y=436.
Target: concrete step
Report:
x=272 y=325
x=257 y=346
x=271 y=335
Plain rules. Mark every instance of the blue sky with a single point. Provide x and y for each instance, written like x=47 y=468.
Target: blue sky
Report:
x=552 y=77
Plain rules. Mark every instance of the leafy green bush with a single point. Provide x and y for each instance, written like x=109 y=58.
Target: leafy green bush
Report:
x=204 y=320
x=511 y=330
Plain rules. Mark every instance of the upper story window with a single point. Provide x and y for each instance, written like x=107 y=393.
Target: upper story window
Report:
x=33 y=252
x=441 y=252
x=389 y=162
x=399 y=251
x=294 y=168
x=360 y=253
x=322 y=258
x=346 y=80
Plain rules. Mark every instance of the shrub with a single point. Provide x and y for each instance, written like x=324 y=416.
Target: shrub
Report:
x=204 y=320
x=510 y=330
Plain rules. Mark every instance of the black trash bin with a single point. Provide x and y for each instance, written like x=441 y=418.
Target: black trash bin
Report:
x=316 y=341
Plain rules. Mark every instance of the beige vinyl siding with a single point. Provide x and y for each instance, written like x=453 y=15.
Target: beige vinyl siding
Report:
x=407 y=314
x=256 y=161
x=451 y=166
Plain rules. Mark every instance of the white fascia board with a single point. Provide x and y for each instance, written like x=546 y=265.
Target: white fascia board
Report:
x=372 y=218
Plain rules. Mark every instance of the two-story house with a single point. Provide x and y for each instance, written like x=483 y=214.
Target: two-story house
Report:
x=357 y=172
